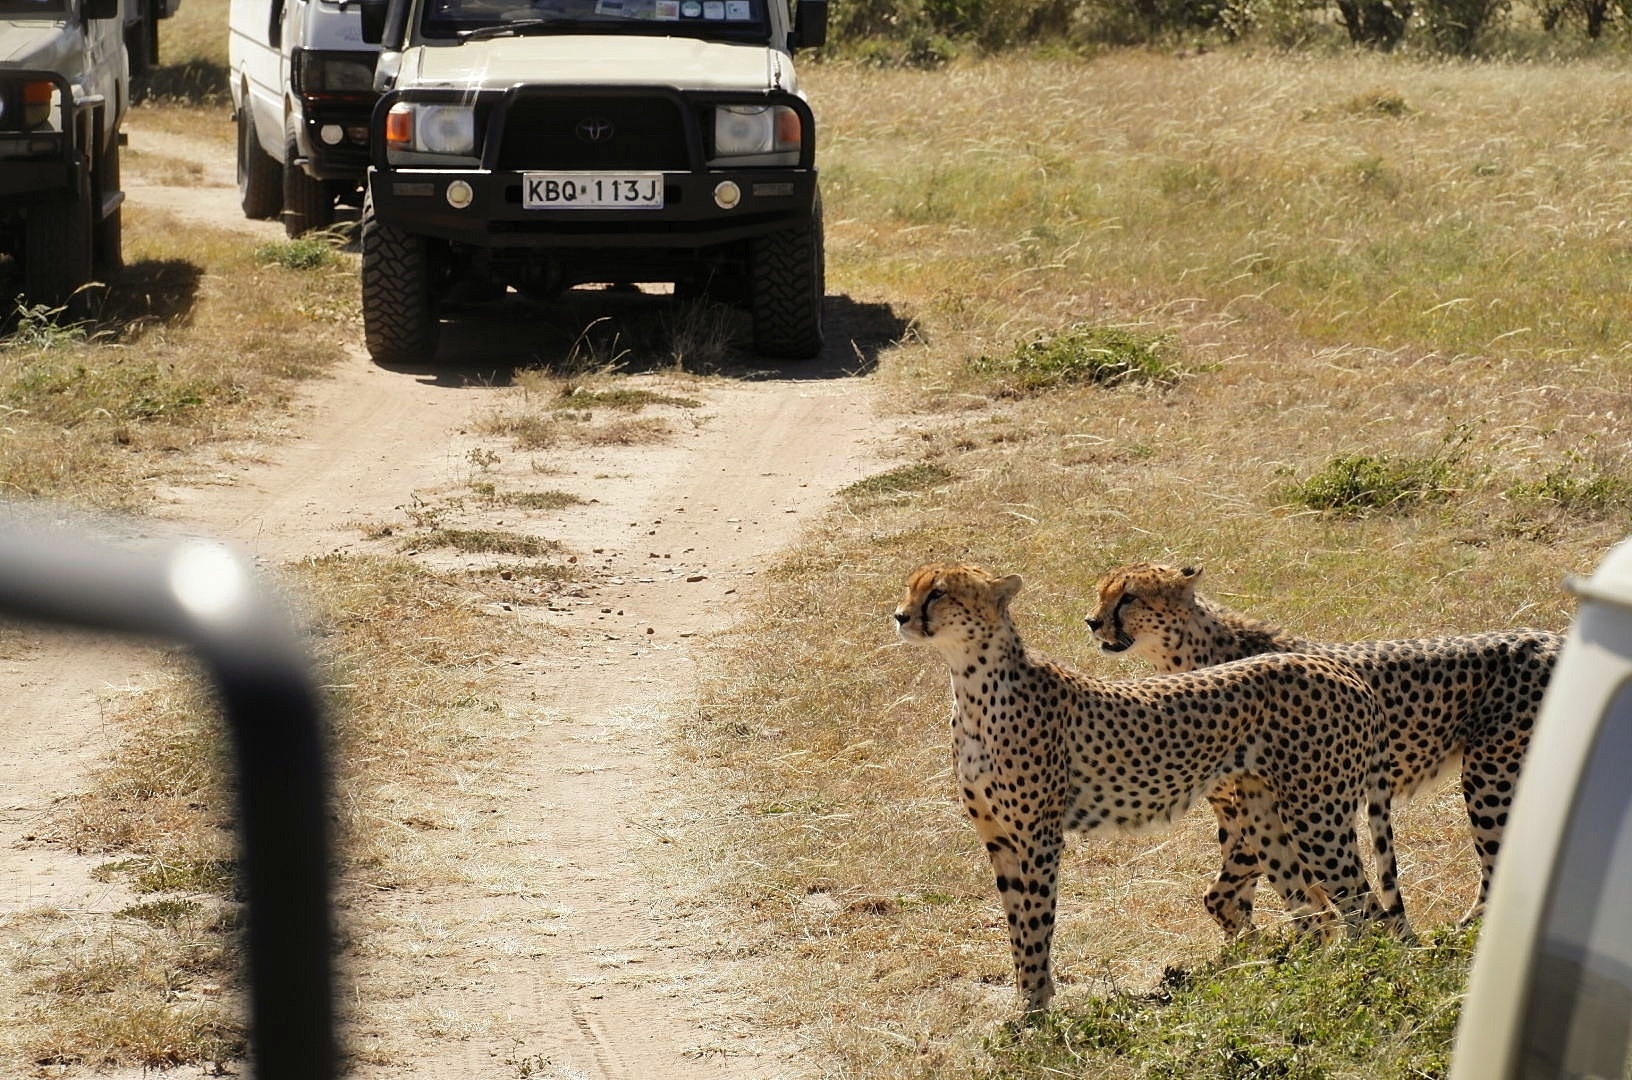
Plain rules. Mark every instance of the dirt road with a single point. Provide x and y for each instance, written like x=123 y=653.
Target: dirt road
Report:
x=607 y=962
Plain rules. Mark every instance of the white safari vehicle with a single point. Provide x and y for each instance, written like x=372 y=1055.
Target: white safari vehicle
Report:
x=1551 y=991
x=542 y=144
x=64 y=87
x=302 y=95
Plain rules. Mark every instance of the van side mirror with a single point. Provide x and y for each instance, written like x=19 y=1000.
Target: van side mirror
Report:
x=809 y=25
x=100 y=9
x=374 y=14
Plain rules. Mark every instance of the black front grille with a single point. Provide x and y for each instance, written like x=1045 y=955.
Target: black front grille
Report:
x=588 y=132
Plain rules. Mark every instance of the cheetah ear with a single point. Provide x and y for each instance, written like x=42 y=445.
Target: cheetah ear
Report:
x=1005 y=589
x=1190 y=573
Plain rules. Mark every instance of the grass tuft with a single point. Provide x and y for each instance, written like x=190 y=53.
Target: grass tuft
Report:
x=1287 y=1008
x=1083 y=353
x=903 y=480
x=484 y=542
x=1379 y=102
x=1579 y=485
x=1356 y=483
x=622 y=398
x=314 y=251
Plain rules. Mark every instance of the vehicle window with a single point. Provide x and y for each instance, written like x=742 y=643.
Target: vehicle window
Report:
x=729 y=19
x=32 y=9
x=1578 y=1022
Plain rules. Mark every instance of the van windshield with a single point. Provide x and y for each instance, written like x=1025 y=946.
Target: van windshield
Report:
x=728 y=19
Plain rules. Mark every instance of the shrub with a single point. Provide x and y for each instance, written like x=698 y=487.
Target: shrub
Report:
x=1361 y=483
x=1082 y=353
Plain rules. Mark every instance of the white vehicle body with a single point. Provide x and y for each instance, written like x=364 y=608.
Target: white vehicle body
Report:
x=302 y=92
x=1550 y=994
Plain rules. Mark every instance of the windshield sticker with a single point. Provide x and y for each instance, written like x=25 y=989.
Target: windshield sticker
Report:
x=691 y=9
x=737 y=10
x=713 y=9
x=667 y=10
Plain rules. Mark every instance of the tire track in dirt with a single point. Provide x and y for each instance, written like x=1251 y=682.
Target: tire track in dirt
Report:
x=625 y=974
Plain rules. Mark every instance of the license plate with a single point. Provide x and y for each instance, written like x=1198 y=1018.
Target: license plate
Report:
x=591 y=191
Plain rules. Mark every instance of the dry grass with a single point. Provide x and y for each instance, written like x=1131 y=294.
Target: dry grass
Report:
x=200 y=343
x=1340 y=280
x=410 y=663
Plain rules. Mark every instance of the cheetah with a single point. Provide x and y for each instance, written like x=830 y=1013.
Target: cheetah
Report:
x=1469 y=695
x=1040 y=750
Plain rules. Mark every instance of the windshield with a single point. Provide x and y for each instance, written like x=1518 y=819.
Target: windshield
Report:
x=33 y=9
x=683 y=18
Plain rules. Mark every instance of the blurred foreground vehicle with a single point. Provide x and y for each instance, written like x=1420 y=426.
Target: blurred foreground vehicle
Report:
x=1550 y=995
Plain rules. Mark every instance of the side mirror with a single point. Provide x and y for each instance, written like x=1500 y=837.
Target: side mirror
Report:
x=100 y=9
x=374 y=15
x=809 y=25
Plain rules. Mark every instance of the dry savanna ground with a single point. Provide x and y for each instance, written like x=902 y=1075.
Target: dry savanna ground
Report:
x=1350 y=332
x=1365 y=335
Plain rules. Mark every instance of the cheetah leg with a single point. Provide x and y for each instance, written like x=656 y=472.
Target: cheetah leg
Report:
x=1027 y=869
x=1380 y=821
x=1323 y=828
x=1488 y=779
x=1264 y=827
x=1229 y=900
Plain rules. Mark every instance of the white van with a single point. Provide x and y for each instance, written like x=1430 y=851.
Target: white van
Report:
x=302 y=95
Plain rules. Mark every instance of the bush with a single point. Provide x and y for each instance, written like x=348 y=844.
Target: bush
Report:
x=1107 y=355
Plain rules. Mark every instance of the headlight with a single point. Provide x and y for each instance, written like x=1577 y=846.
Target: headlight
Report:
x=448 y=130
x=29 y=106
x=322 y=75
x=745 y=130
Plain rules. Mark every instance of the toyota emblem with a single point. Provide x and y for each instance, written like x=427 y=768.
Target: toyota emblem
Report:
x=595 y=129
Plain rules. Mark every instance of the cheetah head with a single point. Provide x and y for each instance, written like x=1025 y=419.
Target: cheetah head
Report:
x=1138 y=602
x=953 y=605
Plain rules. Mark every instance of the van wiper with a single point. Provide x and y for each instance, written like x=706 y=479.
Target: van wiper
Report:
x=523 y=27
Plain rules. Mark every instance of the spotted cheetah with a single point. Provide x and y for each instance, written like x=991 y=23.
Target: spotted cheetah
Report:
x=1470 y=695
x=1040 y=750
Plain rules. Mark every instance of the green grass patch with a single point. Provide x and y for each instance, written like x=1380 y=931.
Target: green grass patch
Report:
x=168 y=912
x=624 y=399
x=1359 y=483
x=1285 y=1009
x=1580 y=486
x=484 y=542
x=1083 y=353
x=1364 y=483
x=541 y=500
x=314 y=251
x=904 y=480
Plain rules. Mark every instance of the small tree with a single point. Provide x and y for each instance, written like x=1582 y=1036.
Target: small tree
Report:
x=1593 y=13
x=1375 y=23
x=1455 y=26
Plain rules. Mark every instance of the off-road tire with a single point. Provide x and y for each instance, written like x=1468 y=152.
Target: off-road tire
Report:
x=58 y=257
x=400 y=324
x=787 y=271
x=107 y=237
x=260 y=178
x=307 y=203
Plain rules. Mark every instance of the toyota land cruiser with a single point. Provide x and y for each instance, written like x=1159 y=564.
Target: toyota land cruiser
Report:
x=542 y=144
